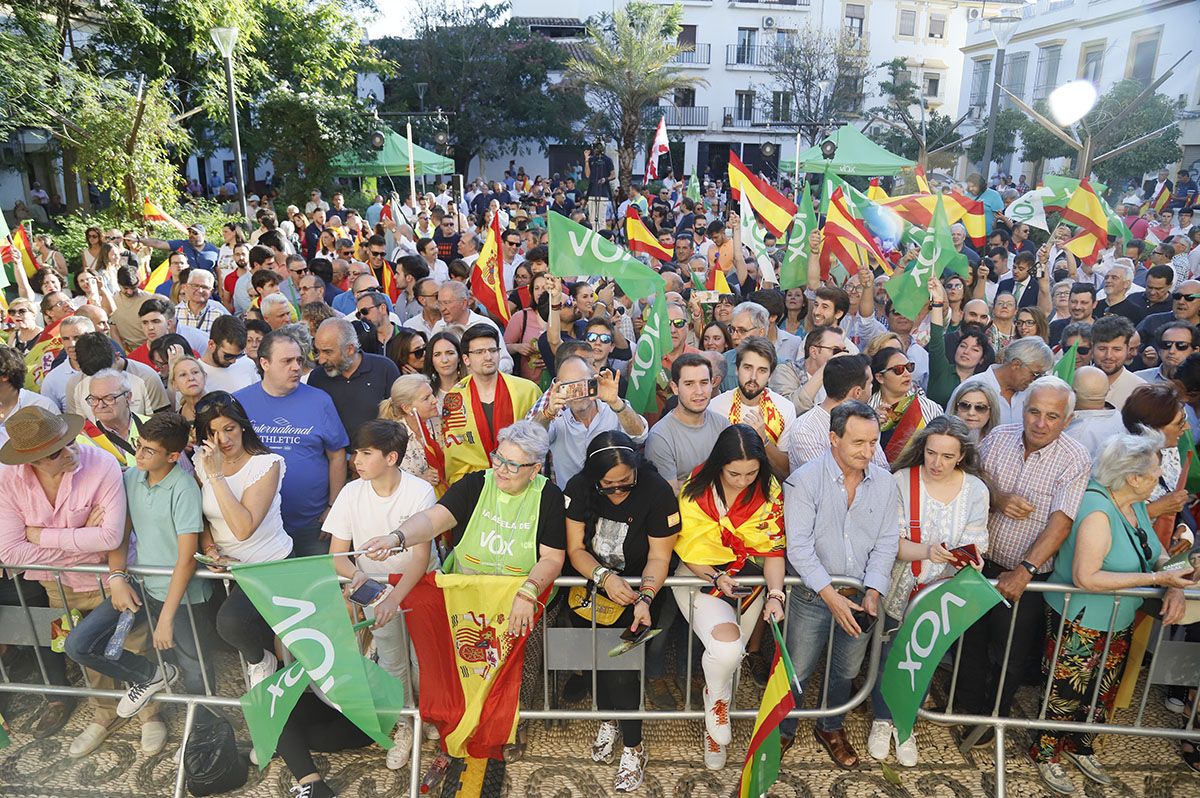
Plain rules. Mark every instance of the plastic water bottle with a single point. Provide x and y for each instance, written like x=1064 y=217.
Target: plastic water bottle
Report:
x=436 y=772
x=116 y=643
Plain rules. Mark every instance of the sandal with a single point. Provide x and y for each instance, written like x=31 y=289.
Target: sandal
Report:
x=1191 y=755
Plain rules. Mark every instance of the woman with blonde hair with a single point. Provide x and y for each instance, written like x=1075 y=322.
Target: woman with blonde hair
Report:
x=90 y=287
x=414 y=404
x=187 y=380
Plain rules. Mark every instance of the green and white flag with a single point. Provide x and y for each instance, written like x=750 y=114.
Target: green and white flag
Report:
x=693 y=188
x=1029 y=209
x=928 y=631
x=754 y=237
x=267 y=707
x=301 y=600
x=794 y=272
x=909 y=289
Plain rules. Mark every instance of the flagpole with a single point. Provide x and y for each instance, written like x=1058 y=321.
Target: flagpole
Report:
x=462 y=197
x=412 y=167
x=796 y=182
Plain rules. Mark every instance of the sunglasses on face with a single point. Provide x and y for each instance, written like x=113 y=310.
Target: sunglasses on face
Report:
x=678 y=324
x=376 y=254
x=603 y=338
x=611 y=489
x=364 y=312
x=837 y=350
x=1177 y=295
x=902 y=368
x=1181 y=346
x=981 y=407
x=418 y=352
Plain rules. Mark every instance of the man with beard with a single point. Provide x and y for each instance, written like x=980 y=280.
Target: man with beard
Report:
x=802 y=380
x=356 y=382
x=752 y=403
x=1110 y=352
x=684 y=438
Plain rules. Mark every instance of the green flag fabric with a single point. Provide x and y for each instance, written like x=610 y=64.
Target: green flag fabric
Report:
x=910 y=290
x=267 y=707
x=754 y=236
x=300 y=599
x=928 y=631
x=652 y=344
x=693 y=188
x=1064 y=369
x=1188 y=445
x=794 y=271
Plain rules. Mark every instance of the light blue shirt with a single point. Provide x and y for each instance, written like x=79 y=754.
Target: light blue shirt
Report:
x=569 y=439
x=160 y=514
x=825 y=538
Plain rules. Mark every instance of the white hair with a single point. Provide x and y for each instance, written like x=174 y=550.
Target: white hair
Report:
x=78 y=322
x=1124 y=266
x=1127 y=455
x=1031 y=351
x=121 y=377
x=459 y=290
x=345 y=332
x=528 y=436
x=759 y=316
x=270 y=300
x=1050 y=383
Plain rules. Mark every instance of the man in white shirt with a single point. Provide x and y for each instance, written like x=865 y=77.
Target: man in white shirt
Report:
x=1023 y=361
x=1093 y=421
x=753 y=403
x=224 y=363
x=54 y=386
x=426 y=294
x=454 y=299
x=314 y=202
x=468 y=247
x=1110 y=351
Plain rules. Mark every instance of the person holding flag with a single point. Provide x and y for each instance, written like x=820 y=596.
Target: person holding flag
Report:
x=943 y=505
x=902 y=407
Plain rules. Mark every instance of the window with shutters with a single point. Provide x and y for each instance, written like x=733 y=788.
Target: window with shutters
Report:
x=1046 y=77
x=854 y=18
x=937 y=27
x=908 y=23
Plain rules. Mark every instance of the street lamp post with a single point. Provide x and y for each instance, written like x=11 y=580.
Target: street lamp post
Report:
x=226 y=39
x=1002 y=28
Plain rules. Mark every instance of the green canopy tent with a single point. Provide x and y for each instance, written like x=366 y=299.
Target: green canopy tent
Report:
x=392 y=160
x=856 y=155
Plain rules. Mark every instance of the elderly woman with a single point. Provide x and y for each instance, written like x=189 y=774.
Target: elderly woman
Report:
x=978 y=405
x=1111 y=546
x=413 y=403
x=512 y=502
x=26 y=331
x=1003 y=329
x=972 y=354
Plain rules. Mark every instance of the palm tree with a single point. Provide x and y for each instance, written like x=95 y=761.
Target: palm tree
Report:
x=625 y=65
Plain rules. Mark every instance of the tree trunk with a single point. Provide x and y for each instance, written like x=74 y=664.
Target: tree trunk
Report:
x=630 y=124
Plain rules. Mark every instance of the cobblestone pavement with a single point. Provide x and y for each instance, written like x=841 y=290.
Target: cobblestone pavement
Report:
x=558 y=765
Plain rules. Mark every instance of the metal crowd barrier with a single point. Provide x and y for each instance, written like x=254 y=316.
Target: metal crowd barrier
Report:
x=1001 y=724
x=548 y=712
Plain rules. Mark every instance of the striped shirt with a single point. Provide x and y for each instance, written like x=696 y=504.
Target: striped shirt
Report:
x=1052 y=479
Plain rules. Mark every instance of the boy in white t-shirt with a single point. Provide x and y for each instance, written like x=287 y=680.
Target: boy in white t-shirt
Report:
x=377 y=502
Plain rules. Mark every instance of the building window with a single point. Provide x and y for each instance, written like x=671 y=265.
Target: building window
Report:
x=685 y=98
x=744 y=106
x=1143 y=54
x=781 y=106
x=1046 y=77
x=1015 y=67
x=933 y=84
x=908 y=23
x=687 y=37
x=856 y=15
x=746 y=41
x=784 y=38
x=980 y=72
x=937 y=27
x=1091 y=62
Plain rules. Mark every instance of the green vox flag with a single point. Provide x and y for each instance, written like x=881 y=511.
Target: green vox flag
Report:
x=1064 y=369
x=693 y=188
x=1116 y=225
x=388 y=693
x=576 y=251
x=909 y=290
x=794 y=272
x=652 y=344
x=268 y=705
x=1188 y=445
x=928 y=631
x=302 y=602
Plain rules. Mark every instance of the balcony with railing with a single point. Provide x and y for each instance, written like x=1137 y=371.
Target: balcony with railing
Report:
x=678 y=116
x=750 y=55
x=696 y=54
x=771 y=3
x=740 y=117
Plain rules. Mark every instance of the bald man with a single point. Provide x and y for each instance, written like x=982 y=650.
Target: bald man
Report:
x=1094 y=419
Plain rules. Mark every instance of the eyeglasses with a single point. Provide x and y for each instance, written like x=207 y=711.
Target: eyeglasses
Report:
x=1026 y=323
x=603 y=338
x=427 y=296
x=300 y=272
x=837 y=350
x=742 y=330
x=1178 y=295
x=491 y=350
x=1180 y=346
x=418 y=352
x=611 y=489
x=981 y=407
x=902 y=368
x=104 y=401
x=376 y=253
x=502 y=463
x=364 y=312
x=678 y=324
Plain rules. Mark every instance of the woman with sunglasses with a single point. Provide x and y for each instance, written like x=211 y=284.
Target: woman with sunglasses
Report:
x=443 y=364
x=716 y=337
x=972 y=354
x=731 y=511
x=1111 y=546
x=622 y=521
x=956 y=297
x=1031 y=321
x=894 y=393
x=413 y=403
x=25 y=330
x=523 y=329
x=407 y=349
x=943 y=505
x=978 y=405
x=239 y=487
x=93 y=241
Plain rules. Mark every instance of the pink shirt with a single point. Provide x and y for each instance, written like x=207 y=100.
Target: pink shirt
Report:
x=96 y=481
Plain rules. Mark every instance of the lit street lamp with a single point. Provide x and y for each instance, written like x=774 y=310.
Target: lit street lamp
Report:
x=1002 y=28
x=226 y=39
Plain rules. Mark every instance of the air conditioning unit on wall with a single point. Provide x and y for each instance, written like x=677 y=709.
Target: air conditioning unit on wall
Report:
x=768 y=23
x=974 y=14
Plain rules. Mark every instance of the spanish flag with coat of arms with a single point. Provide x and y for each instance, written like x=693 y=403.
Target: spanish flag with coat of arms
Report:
x=487 y=278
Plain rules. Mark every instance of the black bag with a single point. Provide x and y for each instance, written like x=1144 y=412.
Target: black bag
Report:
x=212 y=763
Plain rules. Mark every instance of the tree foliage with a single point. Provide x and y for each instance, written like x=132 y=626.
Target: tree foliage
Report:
x=625 y=66
x=1153 y=113
x=1008 y=124
x=491 y=78
x=910 y=134
x=1039 y=144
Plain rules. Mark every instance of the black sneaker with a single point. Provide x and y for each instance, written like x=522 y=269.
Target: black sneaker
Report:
x=314 y=789
x=760 y=671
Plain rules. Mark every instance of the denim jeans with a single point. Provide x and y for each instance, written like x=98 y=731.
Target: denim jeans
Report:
x=809 y=620
x=86 y=644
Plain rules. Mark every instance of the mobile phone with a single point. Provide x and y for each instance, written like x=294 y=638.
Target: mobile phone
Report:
x=368 y=593
x=707 y=297
x=631 y=636
x=742 y=590
x=216 y=562
x=965 y=555
x=864 y=619
x=578 y=389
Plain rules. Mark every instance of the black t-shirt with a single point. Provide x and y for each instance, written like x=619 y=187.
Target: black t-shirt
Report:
x=600 y=168
x=357 y=399
x=462 y=497
x=619 y=536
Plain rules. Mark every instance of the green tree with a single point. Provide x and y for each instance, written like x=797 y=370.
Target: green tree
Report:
x=624 y=67
x=491 y=79
x=1152 y=113
x=913 y=134
x=1008 y=124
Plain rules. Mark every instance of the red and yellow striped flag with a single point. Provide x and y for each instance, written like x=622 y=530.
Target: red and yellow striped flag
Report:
x=389 y=285
x=1160 y=199
x=761 y=769
x=487 y=278
x=845 y=239
x=40 y=358
x=972 y=216
x=640 y=239
x=157 y=276
x=1086 y=212
x=24 y=248
x=153 y=213
x=922 y=183
x=875 y=192
x=775 y=210
x=907 y=426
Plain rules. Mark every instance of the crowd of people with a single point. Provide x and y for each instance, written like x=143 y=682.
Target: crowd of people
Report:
x=305 y=386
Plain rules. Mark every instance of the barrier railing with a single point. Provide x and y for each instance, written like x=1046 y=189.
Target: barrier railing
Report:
x=549 y=712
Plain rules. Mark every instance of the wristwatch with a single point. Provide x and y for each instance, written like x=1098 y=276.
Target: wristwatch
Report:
x=1030 y=567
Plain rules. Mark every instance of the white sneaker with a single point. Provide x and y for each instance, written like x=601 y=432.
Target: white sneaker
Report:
x=879 y=741
x=91 y=737
x=134 y=701
x=606 y=740
x=154 y=737
x=398 y=755
x=261 y=670
x=906 y=752
x=431 y=732
x=1056 y=778
x=632 y=770
x=1175 y=705
x=714 y=753
x=1089 y=766
x=716 y=718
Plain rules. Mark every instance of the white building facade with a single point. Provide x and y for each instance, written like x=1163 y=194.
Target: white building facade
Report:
x=1104 y=41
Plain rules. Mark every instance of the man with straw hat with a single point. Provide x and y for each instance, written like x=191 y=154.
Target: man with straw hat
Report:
x=63 y=504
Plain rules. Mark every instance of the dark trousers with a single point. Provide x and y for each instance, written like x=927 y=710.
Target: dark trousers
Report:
x=35 y=596
x=315 y=726
x=983 y=650
x=240 y=625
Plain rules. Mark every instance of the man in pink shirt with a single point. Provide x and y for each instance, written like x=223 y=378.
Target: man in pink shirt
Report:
x=63 y=504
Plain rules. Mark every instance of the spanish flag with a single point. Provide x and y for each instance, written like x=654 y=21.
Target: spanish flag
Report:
x=640 y=239
x=775 y=210
x=715 y=280
x=1085 y=211
x=153 y=213
x=389 y=285
x=972 y=216
x=1160 y=199
x=875 y=192
x=470 y=665
x=780 y=697
x=40 y=358
x=487 y=278
x=157 y=277
x=24 y=248
x=905 y=428
x=845 y=239
x=922 y=183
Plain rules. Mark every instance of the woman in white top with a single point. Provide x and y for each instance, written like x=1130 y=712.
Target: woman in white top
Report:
x=943 y=505
x=239 y=486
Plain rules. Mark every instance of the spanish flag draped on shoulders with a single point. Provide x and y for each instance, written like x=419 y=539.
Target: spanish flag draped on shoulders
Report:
x=469 y=438
x=750 y=527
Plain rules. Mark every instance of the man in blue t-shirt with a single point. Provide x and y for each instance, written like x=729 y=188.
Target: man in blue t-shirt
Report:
x=300 y=424
x=199 y=253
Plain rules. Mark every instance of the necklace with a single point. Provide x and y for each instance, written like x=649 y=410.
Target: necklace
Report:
x=5 y=410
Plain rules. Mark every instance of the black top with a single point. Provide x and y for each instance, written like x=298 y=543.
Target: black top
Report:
x=357 y=398
x=1126 y=307
x=462 y=497
x=619 y=535
x=600 y=170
